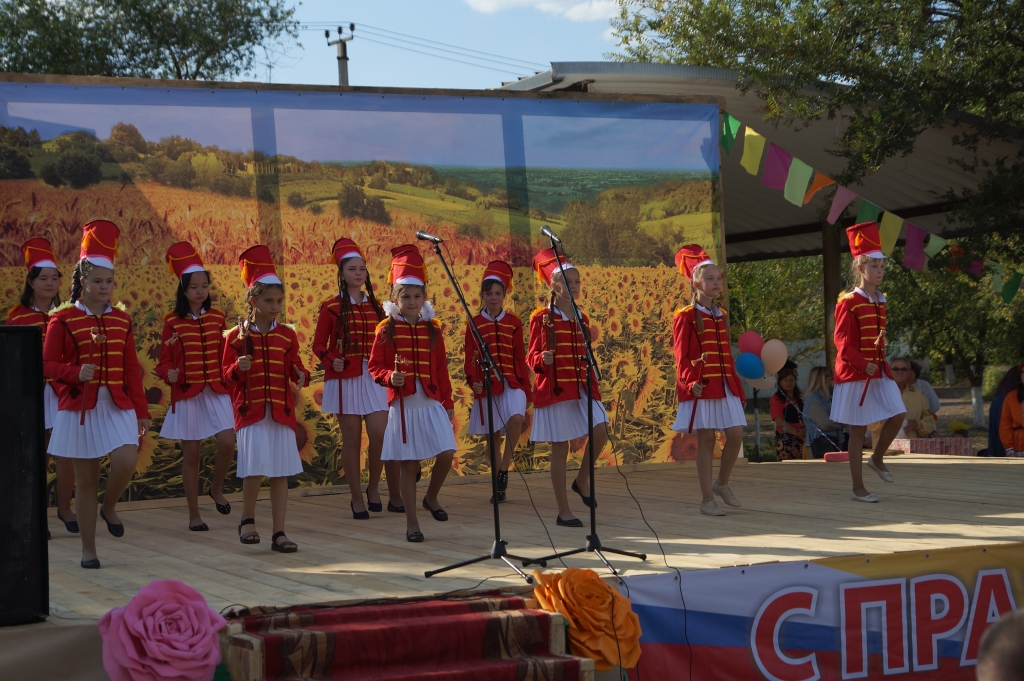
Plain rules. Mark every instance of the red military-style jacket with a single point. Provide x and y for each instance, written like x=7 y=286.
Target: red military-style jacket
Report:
x=275 y=357
x=689 y=345
x=422 y=359
x=504 y=338
x=360 y=324
x=66 y=349
x=19 y=315
x=563 y=380
x=196 y=355
x=859 y=321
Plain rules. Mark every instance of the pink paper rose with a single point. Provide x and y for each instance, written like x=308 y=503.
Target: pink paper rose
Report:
x=166 y=632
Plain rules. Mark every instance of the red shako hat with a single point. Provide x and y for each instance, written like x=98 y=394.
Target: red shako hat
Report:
x=407 y=266
x=346 y=248
x=183 y=258
x=500 y=271
x=258 y=266
x=546 y=264
x=99 y=243
x=38 y=253
x=865 y=240
x=689 y=258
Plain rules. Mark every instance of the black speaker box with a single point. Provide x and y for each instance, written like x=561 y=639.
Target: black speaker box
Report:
x=24 y=577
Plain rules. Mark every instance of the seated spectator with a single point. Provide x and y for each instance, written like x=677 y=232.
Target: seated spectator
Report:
x=1001 y=652
x=825 y=435
x=925 y=387
x=786 y=407
x=919 y=421
x=1008 y=384
x=1011 y=424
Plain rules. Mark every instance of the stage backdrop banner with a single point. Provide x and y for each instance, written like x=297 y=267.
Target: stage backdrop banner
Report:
x=625 y=183
x=920 y=614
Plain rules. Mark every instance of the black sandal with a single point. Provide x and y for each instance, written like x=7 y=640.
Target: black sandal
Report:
x=92 y=564
x=575 y=522
x=395 y=509
x=415 y=537
x=223 y=509
x=587 y=501
x=201 y=527
x=361 y=515
x=439 y=514
x=115 y=529
x=70 y=525
x=287 y=546
x=376 y=508
x=249 y=537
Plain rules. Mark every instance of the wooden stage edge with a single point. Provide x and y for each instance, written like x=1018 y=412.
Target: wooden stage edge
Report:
x=794 y=510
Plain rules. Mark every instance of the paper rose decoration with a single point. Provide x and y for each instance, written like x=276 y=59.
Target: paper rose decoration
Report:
x=166 y=632
x=587 y=602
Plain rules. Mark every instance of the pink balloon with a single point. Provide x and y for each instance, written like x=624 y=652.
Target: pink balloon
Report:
x=751 y=341
x=774 y=355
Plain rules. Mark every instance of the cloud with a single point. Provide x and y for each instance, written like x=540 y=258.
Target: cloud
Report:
x=574 y=10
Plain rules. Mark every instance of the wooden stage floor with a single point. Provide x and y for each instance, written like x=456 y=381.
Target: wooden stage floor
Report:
x=791 y=511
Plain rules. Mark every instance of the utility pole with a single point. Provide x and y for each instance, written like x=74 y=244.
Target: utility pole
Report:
x=342 y=43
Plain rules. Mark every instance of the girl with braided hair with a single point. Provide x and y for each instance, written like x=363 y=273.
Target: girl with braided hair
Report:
x=342 y=340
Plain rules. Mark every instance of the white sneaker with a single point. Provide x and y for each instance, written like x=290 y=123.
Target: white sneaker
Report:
x=725 y=492
x=710 y=507
x=884 y=475
x=867 y=499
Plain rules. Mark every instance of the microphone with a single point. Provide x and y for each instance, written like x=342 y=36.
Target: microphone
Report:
x=546 y=231
x=423 y=236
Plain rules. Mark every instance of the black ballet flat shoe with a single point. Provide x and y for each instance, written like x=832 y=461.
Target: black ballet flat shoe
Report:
x=223 y=509
x=376 y=508
x=361 y=515
x=502 y=482
x=115 y=529
x=587 y=501
x=287 y=546
x=395 y=509
x=93 y=564
x=71 y=525
x=252 y=537
x=415 y=537
x=575 y=522
x=501 y=497
x=439 y=514
x=199 y=527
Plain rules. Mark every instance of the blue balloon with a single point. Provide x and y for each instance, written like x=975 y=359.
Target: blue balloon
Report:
x=749 y=366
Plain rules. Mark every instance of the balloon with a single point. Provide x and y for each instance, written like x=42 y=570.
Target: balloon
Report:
x=774 y=355
x=763 y=383
x=751 y=341
x=749 y=365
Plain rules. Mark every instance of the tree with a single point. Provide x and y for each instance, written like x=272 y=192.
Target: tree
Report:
x=777 y=298
x=296 y=199
x=188 y=39
x=127 y=135
x=14 y=165
x=78 y=169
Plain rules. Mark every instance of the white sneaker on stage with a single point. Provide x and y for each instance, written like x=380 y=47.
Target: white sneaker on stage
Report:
x=725 y=492
x=884 y=475
x=867 y=499
x=711 y=507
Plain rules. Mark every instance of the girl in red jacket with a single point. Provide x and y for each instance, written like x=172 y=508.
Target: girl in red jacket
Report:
x=261 y=357
x=42 y=294
x=408 y=356
x=560 y=399
x=865 y=391
x=89 y=353
x=502 y=331
x=708 y=388
x=190 y=355
x=343 y=338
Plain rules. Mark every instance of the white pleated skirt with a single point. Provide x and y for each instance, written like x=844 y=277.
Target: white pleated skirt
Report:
x=427 y=427
x=49 y=406
x=882 y=401
x=107 y=427
x=360 y=395
x=510 y=402
x=199 y=417
x=564 y=421
x=267 y=448
x=719 y=414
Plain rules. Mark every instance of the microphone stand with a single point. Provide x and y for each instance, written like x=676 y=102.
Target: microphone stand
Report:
x=490 y=369
x=593 y=541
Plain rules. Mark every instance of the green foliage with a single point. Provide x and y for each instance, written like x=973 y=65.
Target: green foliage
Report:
x=353 y=202
x=73 y=167
x=777 y=298
x=127 y=135
x=14 y=165
x=207 y=168
x=605 y=231
x=19 y=139
x=296 y=200
x=179 y=173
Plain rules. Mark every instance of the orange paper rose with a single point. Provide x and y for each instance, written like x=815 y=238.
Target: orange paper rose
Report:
x=597 y=615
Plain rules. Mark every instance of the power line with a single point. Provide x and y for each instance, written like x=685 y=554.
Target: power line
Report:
x=438 y=56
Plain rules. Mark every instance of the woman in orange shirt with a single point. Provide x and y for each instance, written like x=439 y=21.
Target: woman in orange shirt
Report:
x=1011 y=423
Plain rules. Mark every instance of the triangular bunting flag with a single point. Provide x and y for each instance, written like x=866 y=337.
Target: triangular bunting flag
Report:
x=889 y=229
x=935 y=244
x=997 y=276
x=819 y=182
x=1011 y=286
x=840 y=201
x=913 y=251
x=776 y=167
x=868 y=212
x=730 y=126
x=796 y=183
x=753 y=147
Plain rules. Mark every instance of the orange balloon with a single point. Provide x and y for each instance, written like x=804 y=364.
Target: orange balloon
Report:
x=774 y=355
